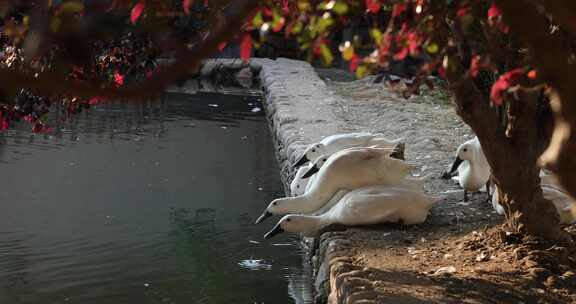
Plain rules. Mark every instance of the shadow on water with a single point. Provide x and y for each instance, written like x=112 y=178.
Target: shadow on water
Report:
x=145 y=203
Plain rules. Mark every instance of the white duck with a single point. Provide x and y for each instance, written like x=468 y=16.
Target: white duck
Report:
x=346 y=170
x=363 y=206
x=334 y=143
x=305 y=174
x=299 y=184
x=560 y=199
x=473 y=168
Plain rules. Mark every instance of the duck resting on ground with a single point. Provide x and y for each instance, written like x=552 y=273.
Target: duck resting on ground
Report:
x=364 y=206
x=334 y=143
x=346 y=170
x=472 y=166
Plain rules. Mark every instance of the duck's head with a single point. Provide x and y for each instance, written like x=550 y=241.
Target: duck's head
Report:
x=316 y=166
x=465 y=152
x=293 y=223
x=311 y=153
x=277 y=206
x=298 y=184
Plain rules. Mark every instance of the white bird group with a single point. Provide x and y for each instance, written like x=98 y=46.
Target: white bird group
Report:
x=474 y=173
x=357 y=182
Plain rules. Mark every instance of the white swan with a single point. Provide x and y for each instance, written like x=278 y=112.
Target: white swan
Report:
x=364 y=206
x=334 y=143
x=346 y=170
x=473 y=168
x=562 y=202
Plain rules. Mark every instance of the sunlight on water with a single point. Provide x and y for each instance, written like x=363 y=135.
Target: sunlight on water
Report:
x=145 y=203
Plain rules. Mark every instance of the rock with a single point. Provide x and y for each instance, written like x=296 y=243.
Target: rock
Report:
x=481 y=257
x=444 y=271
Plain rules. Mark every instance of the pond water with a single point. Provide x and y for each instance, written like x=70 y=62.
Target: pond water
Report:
x=145 y=203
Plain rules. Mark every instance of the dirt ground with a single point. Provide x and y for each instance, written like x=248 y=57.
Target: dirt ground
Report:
x=459 y=255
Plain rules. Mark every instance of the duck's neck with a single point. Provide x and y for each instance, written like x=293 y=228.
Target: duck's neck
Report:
x=316 y=197
x=479 y=163
x=312 y=224
x=300 y=204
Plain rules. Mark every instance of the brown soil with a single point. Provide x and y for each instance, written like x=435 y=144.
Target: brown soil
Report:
x=461 y=254
x=482 y=266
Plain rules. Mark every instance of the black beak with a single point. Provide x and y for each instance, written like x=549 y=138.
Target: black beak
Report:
x=301 y=161
x=398 y=152
x=455 y=165
x=264 y=216
x=310 y=171
x=276 y=230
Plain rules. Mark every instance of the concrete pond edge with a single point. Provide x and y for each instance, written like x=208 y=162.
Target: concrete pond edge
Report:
x=298 y=107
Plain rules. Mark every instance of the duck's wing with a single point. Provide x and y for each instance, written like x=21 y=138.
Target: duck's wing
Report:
x=366 y=209
x=346 y=138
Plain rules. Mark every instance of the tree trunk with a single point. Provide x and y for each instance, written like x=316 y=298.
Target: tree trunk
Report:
x=550 y=55
x=512 y=150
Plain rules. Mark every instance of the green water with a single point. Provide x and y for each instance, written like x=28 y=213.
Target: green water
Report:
x=145 y=203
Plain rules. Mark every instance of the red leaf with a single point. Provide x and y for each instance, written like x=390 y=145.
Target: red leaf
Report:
x=402 y=54
x=503 y=83
x=118 y=79
x=186 y=4
x=267 y=12
x=414 y=43
x=40 y=127
x=398 y=9
x=494 y=11
x=29 y=118
x=246 y=47
x=373 y=6
x=285 y=6
x=475 y=66
x=354 y=63
x=137 y=11
x=463 y=11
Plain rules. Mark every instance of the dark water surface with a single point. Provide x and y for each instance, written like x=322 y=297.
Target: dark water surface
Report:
x=145 y=203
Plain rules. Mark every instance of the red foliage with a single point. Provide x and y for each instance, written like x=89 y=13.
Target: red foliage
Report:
x=246 y=47
x=463 y=11
x=118 y=79
x=373 y=6
x=354 y=63
x=186 y=4
x=494 y=12
x=476 y=64
x=137 y=11
x=398 y=9
x=505 y=81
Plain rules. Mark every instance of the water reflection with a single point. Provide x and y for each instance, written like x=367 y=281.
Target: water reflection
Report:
x=145 y=203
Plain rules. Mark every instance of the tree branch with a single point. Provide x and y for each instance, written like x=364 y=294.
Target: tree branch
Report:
x=50 y=83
